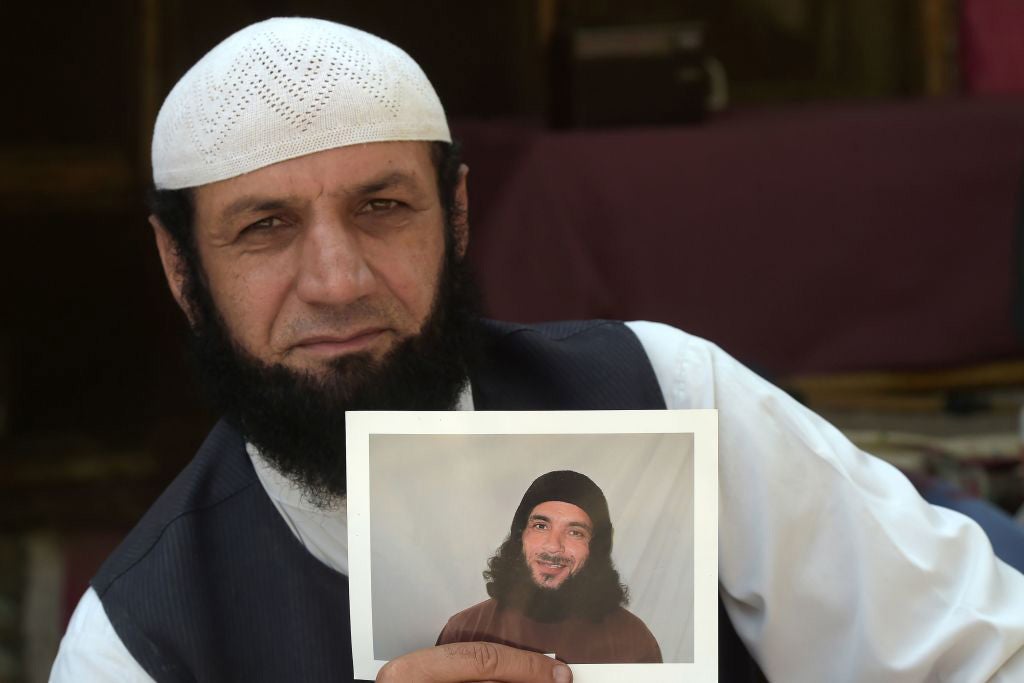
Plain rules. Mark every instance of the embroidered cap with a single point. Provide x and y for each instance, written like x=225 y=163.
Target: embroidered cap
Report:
x=284 y=88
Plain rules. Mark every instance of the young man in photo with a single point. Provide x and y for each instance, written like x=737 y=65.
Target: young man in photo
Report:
x=553 y=586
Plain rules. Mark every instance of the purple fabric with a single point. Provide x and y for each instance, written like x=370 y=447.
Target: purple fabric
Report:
x=992 y=45
x=835 y=238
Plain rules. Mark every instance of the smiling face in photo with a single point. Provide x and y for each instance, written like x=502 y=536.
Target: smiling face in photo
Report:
x=556 y=542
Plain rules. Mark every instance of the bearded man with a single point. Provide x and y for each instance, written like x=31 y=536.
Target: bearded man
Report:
x=553 y=586
x=309 y=212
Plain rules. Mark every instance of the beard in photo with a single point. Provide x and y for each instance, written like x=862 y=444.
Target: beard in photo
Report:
x=591 y=593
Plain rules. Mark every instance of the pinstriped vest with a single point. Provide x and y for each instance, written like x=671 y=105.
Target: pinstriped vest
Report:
x=212 y=585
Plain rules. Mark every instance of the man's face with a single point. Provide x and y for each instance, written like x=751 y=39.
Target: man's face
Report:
x=556 y=542
x=320 y=285
x=326 y=255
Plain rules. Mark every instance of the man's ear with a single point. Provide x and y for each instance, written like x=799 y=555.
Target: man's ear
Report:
x=171 y=262
x=461 y=213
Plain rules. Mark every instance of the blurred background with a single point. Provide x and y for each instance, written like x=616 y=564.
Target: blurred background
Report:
x=829 y=189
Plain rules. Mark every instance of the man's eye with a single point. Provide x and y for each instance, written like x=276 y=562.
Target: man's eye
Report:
x=375 y=205
x=540 y=526
x=264 y=224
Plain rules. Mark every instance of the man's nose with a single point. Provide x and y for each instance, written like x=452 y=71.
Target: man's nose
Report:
x=553 y=543
x=332 y=265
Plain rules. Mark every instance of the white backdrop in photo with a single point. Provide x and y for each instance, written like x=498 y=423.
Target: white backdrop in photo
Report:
x=440 y=505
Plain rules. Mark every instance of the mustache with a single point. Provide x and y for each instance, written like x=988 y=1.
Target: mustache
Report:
x=328 y=318
x=554 y=559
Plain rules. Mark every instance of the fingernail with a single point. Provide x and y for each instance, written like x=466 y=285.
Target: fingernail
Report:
x=562 y=674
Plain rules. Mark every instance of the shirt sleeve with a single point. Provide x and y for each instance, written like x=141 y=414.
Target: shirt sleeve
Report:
x=831 y=566
x=92 y=652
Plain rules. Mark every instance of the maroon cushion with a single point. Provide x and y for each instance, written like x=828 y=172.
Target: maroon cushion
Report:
x=819 y=239
x=992 y=45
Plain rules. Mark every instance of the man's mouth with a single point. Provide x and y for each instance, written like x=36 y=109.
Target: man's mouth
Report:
x=552 y=562
x=336 y=344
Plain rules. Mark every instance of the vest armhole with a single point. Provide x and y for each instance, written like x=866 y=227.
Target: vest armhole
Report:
x=147 y=653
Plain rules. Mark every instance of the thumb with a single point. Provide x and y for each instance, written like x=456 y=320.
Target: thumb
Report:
x=460 y=662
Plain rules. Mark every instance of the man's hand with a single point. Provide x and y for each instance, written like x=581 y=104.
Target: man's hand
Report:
x=464 y=662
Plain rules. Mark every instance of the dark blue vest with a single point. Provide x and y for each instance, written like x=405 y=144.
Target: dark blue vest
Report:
x=213 y=586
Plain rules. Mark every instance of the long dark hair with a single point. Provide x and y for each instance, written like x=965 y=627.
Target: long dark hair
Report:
x=592 y=593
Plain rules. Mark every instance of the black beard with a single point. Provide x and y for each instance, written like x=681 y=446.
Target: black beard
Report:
x=297 y=419
x=591 y=593
x=573 y=597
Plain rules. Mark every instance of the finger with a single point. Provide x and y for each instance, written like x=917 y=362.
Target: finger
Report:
x=465 y=662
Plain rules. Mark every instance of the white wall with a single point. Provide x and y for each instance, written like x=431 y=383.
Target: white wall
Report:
x=441 y=505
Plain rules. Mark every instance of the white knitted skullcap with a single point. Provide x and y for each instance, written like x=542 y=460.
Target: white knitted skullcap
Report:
x=283 y=88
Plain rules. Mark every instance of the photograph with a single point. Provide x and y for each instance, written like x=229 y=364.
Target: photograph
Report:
x=578 y=544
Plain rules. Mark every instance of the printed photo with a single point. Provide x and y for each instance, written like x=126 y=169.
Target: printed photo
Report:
x=578 y=545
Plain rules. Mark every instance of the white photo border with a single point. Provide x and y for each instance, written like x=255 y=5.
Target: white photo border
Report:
x=702 y=424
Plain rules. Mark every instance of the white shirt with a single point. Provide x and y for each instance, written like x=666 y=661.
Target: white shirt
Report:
x=831 y=567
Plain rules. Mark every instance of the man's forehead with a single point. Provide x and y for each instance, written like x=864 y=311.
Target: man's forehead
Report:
x=573 y=514
x=354 y=170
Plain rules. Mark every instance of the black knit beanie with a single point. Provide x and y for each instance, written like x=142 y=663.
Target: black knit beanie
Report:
x=568 y=487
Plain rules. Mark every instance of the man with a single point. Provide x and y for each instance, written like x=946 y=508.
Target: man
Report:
x=310 y=216
x=552 y=584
